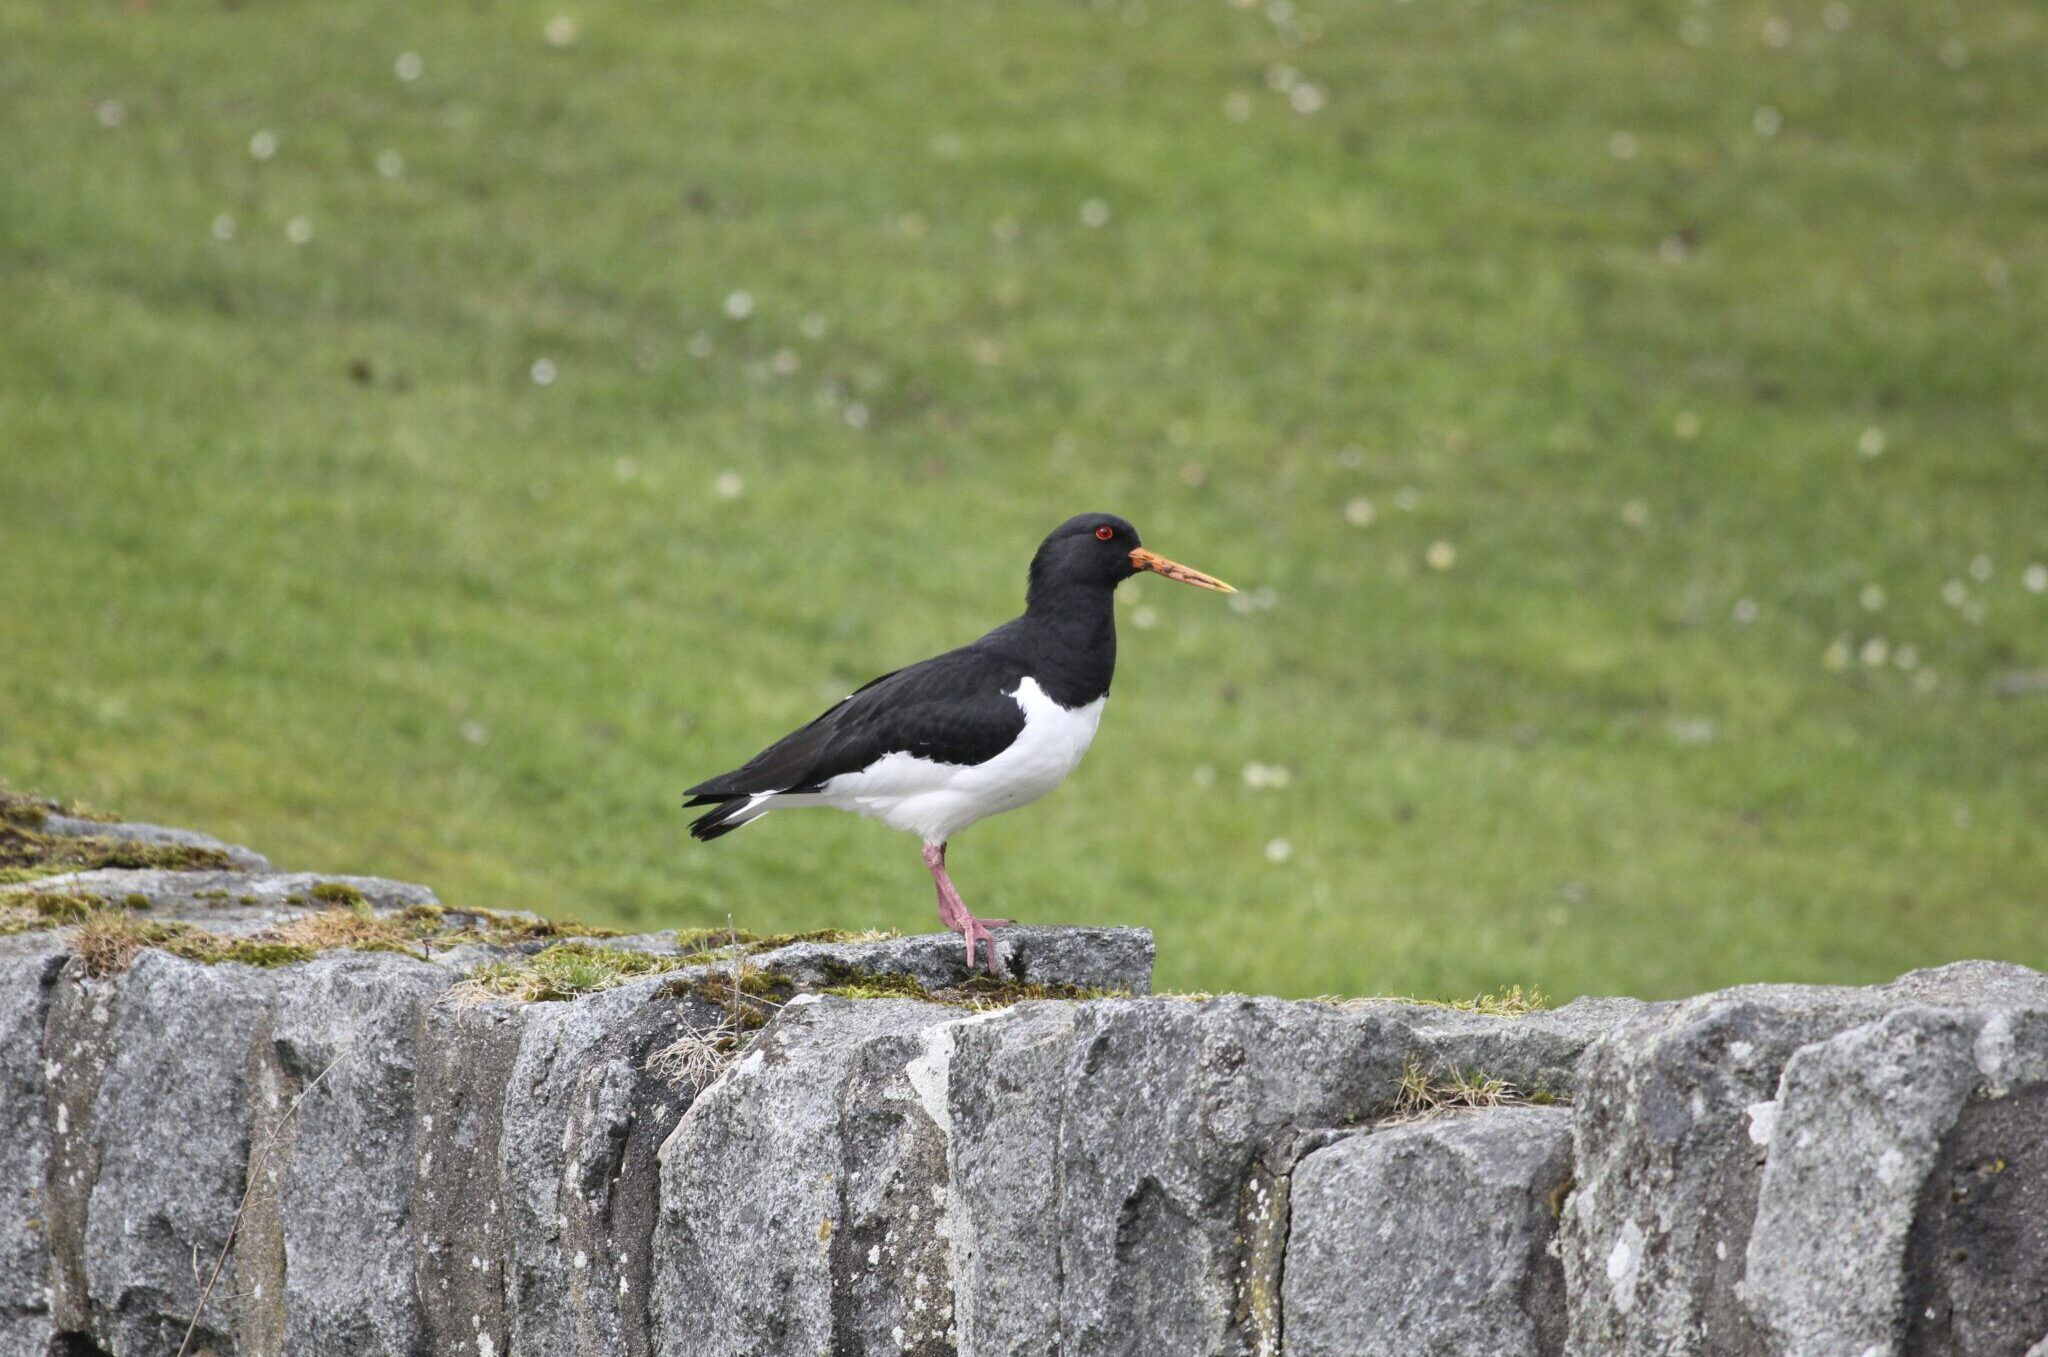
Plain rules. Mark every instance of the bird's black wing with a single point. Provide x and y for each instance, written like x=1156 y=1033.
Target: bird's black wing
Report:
x=953 y=708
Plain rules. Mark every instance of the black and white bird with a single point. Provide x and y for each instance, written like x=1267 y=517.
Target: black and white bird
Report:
x=968 y=734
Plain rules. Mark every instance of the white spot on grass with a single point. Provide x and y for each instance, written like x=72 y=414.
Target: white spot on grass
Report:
x=1872 y=598
x=1635 y=514
x=728 y=485
x=299 y=230
x=2035 y=578
x=223 y=228
x=543 y=372
x=1871 y=442
x=111 y=113
x=1767 y=121
x=474 y=732
x=561 y=31
x=1237 y=106
x=1837 y=17
x=1094 y=214
x=1980 y=569
x=1622 y=145
x=1307 y=99
x=1874 y=651
x=739 y=304
x=409 y=67
x=1278 y=850
x=1694 y=730
x=1745 y=611
x=390 y=163
x=1441 y=555
x=1686 y=425
x=263 y=145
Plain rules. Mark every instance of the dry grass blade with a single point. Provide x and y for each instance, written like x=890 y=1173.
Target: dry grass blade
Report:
x=1425 y=1093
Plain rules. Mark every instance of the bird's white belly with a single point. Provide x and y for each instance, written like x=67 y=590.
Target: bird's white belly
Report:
x=938 y=800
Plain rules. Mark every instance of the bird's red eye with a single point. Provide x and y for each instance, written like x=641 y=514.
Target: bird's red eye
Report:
x=1105 y=532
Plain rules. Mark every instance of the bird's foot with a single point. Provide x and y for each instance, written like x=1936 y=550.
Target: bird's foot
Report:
x=973 y=930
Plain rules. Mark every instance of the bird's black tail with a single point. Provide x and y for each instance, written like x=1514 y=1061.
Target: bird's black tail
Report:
x=724 y=817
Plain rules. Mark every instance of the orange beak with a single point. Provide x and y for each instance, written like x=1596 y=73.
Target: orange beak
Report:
x=1173 y=570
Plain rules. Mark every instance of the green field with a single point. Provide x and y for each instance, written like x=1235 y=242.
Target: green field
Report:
x=1688 y=358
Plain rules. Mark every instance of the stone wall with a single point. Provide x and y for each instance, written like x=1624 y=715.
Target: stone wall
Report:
x=740 y=1147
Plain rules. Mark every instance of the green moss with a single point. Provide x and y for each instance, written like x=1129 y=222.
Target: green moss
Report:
x=569 y=970
x=109 y=940
x=29 y=812
x=23 y=847
x=976 y=992
x=748 y=997
x=337 y=893
x=23 y=913
x=775 y=940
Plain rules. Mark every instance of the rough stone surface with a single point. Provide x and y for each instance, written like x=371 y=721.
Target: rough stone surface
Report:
x=77 y=1048
x=1430 y=1237
x=1976 y=1265
x=1115 y=959
x=466 y=1055
x=171 y=1126
x=1181 y=1126
x=345 y=1034
x=226 y=902
x=583 y=1119
x=1698 y=1202
x=409 y=1167
x=1004 y=1079
x=128 y=831
x=27 y=983
x=802 y=1194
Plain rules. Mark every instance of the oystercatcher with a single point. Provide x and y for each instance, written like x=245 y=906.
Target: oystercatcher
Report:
x=964 y=735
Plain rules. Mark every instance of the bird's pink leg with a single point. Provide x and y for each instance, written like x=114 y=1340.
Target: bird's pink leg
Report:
x=953 y=910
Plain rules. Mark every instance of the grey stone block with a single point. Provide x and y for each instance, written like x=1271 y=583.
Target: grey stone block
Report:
x=1431 y=1237
x=27 y=985
x=1681 y=1236
x=1117 y=959
x=170 y=1124
x=802 y=1195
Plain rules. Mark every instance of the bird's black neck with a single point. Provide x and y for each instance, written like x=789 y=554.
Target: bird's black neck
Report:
x=1070 y=630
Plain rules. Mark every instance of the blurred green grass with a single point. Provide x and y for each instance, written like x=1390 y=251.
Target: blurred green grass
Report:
x=1701 y=343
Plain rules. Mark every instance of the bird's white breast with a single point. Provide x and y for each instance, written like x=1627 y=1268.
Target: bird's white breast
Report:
x=938 y=800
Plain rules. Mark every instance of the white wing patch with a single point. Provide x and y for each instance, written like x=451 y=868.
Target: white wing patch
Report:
x=938 y=800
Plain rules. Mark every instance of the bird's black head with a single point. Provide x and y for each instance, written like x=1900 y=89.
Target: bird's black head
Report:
x=1101 y=551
